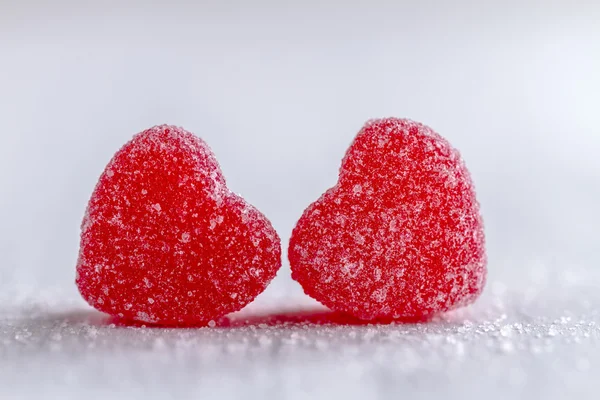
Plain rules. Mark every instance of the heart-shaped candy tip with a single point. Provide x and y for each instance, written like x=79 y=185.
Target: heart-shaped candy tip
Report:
x=400 y=235
x=163 y=240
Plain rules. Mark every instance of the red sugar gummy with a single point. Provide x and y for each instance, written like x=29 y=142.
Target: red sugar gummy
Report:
x=400 y=235
x=164 y=241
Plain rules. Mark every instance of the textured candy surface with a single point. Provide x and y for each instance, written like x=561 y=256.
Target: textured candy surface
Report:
x=164 y=241
x=400 y=235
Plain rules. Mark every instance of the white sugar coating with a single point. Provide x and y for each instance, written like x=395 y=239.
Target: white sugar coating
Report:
x=400 y=234
x=165 y=241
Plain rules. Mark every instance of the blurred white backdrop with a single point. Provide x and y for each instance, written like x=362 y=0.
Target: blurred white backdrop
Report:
x=279 y=91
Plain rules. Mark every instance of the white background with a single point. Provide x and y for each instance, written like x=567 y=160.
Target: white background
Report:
x=279 y=91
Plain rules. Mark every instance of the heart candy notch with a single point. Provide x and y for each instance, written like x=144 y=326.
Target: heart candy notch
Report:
x=400 y=235
x=165 y=242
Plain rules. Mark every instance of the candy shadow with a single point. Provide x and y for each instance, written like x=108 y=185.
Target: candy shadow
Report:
x=289 y=318
x=315 y=316
x=308 y=317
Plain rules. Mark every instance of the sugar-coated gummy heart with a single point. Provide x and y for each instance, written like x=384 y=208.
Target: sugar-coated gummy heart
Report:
x=164 y=241
x=400 y=235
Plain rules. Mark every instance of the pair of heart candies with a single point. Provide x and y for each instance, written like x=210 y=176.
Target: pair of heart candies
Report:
x=164 y=241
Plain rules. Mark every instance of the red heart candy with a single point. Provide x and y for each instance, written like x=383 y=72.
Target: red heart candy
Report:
x=400 y=235
x=164 y=241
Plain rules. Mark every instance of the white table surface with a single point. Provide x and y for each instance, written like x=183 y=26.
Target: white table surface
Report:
x=541 y=341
